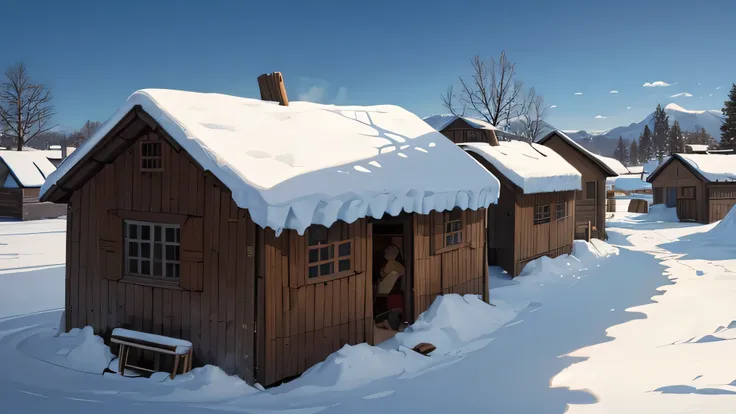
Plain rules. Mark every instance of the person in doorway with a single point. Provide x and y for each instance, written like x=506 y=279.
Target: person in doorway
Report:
x=386 y=288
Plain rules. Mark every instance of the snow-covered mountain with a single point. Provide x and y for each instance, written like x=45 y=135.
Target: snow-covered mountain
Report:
x=689 y=121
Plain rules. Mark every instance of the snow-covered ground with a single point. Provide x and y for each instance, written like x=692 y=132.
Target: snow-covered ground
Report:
x=642 y=327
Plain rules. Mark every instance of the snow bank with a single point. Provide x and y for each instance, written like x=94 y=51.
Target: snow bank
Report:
x=533 y=168
x=662 y=213
x=453 y=323
x=439 y=122
x=30 y=168
x=584 y=255
x=630 y=183
x=201 y=385
x=307 y=163
x=78 y=349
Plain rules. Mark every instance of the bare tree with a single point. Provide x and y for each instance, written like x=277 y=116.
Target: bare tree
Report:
x=25 y=107
x=531 y=112
x=491 y=92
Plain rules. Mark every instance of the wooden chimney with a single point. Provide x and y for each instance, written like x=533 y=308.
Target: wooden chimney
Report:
x=272 y=88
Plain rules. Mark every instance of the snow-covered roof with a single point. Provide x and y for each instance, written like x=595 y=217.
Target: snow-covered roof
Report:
x=583 y=150
x=30 y=168
x=712 y=167
x=613 y=164
x=307 y=163
x=439 y=122
x=697 y=147
x=533 y=168
x=635 y=169
x=630 y=182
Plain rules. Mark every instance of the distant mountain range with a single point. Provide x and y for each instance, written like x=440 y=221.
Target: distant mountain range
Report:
x=603 y=143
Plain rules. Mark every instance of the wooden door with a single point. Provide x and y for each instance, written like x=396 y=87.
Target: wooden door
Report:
x=686 y=204
x=671 y=200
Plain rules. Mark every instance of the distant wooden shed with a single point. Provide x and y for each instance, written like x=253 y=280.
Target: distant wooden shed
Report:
x=702 y=187
x=257 y=231
x=535 y=214
x=22 y=173
x=590 y=201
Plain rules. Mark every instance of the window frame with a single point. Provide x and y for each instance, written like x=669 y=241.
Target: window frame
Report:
x=449 y=218
x=595 y=191
x=336 y=258
x=557 y=211
x=542 y=219
x=150 y=278
x=153 y=158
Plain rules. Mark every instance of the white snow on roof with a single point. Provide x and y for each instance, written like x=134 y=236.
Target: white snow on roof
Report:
x=439 y=122
x=533 y=168
x=307 y=163
x=581 y=148
x=697 y=147
x=31 y=168
x=714 y=167
x=630 y=182
x=636 y=169
x=613 y=164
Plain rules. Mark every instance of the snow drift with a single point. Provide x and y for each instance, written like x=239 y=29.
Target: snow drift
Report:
x=79 y=350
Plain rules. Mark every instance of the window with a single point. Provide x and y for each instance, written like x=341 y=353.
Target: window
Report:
x=472 y=135
x=590 y=190
x=453 y=228
x=541 y=214
x=561 y=210
x=329 y=251
x=152 y=250
x=151 y=160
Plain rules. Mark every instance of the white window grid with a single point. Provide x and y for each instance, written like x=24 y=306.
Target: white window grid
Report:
x=168 y=273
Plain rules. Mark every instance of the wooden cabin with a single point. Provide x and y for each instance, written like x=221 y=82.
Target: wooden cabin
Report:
x=535 y=214
x=590 y=200
x=22 y=173
x=461 y=129
x=259 y=231
x=702 y=187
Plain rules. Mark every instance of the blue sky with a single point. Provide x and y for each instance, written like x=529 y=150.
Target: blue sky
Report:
x=94 y=54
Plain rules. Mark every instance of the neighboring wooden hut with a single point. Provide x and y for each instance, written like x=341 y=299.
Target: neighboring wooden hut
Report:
x=256 y=231
x=535 y=214
x=590 y=201
x=701 y=186
x=22 y=173
x=460 y=129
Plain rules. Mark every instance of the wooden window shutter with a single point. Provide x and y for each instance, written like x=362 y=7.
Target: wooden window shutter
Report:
x=192 y=255
x=111 y=247
x=437 y=234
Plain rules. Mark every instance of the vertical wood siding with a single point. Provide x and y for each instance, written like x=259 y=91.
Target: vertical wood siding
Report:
x=219 y=318
x=546 y=239
x=461 y=271
x=585 y=210
x=305 y=322
x=677 y=175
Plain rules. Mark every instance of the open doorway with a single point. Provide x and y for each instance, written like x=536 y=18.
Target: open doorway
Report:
x=392 y=276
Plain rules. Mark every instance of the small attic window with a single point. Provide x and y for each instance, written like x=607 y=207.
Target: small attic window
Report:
x=151 y=160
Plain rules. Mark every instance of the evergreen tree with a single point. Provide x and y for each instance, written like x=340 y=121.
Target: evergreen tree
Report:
x=660 y=133
x=634 y=153
x=621 y=153
x=700 y=136
x=728 y=129
x=675 y=140
x=645 y=145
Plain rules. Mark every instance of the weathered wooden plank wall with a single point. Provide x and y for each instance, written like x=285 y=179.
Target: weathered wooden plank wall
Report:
x=219 y=317
x=545 y=239
x=461 y=271
x=307 y=321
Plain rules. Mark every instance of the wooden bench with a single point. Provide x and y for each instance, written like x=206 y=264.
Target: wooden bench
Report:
x=180 y=349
